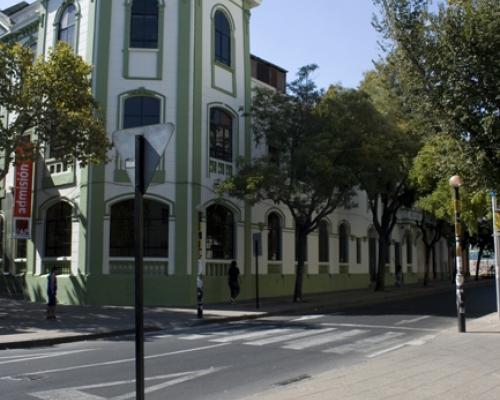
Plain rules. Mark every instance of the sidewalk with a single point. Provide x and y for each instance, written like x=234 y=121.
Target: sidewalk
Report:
x=23 y=324
x=453 y=366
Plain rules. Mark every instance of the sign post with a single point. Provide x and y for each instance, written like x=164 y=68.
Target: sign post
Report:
x=257 y=247
x=141 y=149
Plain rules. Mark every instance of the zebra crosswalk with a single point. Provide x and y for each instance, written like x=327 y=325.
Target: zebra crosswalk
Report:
x=339 y=340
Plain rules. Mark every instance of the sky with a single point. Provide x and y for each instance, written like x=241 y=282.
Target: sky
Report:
x=334 y=34
x=337 y=35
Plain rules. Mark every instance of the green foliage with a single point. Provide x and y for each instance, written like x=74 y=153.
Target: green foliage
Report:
x=52 y=99
x=440 y=158
x=449 y=64
x=310 y=142
x=388 y=150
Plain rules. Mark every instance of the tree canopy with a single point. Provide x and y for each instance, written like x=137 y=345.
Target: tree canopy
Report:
x=388 y=149
x=51 y=100
x=449 y=64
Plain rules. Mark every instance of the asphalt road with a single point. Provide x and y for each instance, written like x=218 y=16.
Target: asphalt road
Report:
x=232 y=360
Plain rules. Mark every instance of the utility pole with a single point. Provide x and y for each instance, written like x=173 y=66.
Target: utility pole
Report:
x=496 y=240
x=456 y=182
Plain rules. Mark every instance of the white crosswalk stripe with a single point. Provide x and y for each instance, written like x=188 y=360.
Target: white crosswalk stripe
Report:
x=210 y=335
x=366 y=344
x=348 y=338
x=315 y=341
x=290 y=336
x=251 y=335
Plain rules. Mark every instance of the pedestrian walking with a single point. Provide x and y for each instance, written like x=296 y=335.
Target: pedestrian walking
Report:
x=234 y=281
x=52 y=294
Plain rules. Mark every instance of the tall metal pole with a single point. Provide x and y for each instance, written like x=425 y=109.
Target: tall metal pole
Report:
x=455 y=181
x=496 y=240
x=139 y=256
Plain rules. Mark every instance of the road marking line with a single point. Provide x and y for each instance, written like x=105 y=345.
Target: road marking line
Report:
x=40 y=356
x=75 y=393
x=122 y=361
x=410 y=321
x=405 y=328
x=313 y=341
x=366 y=344
x=209 y=334
x=416 y=342
x=308 y=317
x=290 y=336
x=378 y=353
x=250 y=335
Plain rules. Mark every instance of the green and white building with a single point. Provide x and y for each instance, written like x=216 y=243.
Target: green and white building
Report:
x=187 y=62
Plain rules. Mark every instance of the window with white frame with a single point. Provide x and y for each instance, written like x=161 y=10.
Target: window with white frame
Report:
x=141 y=111
x=221 y=135
x=274 y=237
x=67 y=25
x=220 y=233
x=222 y=36
x=343 y=243
x=144 y=24
x=323 y=243
x=58 y=230
x=122 y=230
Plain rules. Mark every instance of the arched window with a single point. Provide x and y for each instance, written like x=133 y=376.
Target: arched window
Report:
x=324 y=254
x=409 y=249
x=220 y=233
x=144 y=24
x=58 y=230
x=273 y=237
x=221 y=135
x=121 y=237
x=343 y=243
x=222 y=38
x=141 y=111
x=67 y=25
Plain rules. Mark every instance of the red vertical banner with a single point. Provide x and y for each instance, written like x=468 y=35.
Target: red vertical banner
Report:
x=22 y=194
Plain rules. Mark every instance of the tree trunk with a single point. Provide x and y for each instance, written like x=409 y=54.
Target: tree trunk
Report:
x=427 y=263
x=301 y=253
x=478 y=262
x=382 y=250
x=434 y=266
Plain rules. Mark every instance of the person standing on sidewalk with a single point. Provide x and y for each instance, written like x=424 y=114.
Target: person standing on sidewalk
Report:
x=52 y=294
x=233 y=281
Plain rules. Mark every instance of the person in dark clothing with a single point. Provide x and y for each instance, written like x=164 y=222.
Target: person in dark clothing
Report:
x=233 y=281
x=52 y=294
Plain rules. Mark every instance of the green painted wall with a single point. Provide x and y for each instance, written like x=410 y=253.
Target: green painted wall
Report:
x=181 y=138
x=94 y=206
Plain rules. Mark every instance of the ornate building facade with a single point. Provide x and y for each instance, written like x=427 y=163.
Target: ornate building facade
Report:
x=187 y=62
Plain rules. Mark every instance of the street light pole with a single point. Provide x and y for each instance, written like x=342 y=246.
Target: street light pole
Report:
x=496 y=241
x=456 y=182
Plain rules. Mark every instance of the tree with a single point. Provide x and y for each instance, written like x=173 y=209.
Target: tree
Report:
x=449 y=64
x=388 y=147
x=432 y=232
x=441 y=157
x=50 y=100
x=312 y=140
